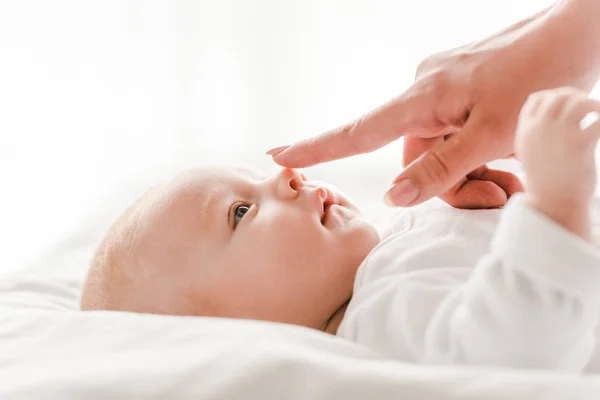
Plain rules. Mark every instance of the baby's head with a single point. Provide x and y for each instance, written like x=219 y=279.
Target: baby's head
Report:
x=229 y=242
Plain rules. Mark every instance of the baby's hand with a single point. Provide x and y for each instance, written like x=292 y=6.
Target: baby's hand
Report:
x=558 y=156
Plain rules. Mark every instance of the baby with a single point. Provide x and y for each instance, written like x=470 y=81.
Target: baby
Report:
x=233 y=243
x=517 y=287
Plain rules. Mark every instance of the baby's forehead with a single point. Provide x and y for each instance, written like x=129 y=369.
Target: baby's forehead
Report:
x=218 y=175
x=245 y=172
x=209 y=181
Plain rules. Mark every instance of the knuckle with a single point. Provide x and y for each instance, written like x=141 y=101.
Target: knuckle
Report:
x=560 y=95
x=439 y=77
x=464 y=56
x=435 y=78
x=533 y=97
x=421 y=68
x=541 y=97
x=545 y=95
x=427 y=63
x=434 y=84
x=569 y=90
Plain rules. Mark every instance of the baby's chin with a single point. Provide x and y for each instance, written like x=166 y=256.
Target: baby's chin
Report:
x=372 y=237
x=362 y=237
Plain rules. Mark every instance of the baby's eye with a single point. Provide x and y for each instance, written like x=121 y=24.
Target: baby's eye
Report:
x=239 y=213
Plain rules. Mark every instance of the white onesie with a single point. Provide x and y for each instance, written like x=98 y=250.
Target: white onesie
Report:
x=489 y=287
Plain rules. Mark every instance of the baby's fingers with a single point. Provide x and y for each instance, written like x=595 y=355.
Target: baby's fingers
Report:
x=531 y=105
x=592 y=128
x=576 y=109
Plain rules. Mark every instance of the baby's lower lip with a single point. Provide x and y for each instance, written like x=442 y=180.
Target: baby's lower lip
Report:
x=327 y=213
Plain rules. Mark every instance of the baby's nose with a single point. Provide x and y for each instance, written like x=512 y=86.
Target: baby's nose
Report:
x=291 y=181
x=295 y=178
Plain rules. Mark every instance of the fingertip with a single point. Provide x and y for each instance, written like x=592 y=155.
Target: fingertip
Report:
x=277 y=150
x=289 y=159
x=404 y=193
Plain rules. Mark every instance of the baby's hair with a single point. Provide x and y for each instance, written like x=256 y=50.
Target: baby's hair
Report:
x=123 y=277
x=109 y=282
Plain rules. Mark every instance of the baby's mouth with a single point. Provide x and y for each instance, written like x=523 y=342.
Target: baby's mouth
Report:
x=326 y=207
x=328 y=200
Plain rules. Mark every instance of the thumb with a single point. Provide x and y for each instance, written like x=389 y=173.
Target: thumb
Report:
x=441 y=167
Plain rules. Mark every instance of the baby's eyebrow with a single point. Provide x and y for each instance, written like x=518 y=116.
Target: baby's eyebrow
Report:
x=260 y=176
x=252 y=174
x=210 y=210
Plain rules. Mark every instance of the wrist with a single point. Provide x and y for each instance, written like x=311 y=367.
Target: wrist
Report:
x=572 y=214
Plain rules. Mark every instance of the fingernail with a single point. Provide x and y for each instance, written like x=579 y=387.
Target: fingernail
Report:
x=277 y=150
x=402 y=194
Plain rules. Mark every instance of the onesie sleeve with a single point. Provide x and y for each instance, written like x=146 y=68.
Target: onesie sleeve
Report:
x=530 y=242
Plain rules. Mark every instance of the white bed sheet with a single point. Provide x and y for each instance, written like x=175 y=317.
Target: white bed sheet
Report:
x=65 y=355
x=50 y=350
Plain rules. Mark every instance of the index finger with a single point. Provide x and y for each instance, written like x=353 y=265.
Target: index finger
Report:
x=368 y=133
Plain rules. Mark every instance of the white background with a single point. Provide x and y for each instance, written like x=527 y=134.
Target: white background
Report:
x=95 y=91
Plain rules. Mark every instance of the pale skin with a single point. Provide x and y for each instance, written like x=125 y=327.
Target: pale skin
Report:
x=462 y=110
x=559 y=156
x=231 y=242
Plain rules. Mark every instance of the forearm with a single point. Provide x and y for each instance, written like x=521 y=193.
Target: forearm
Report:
x=581 y=11
x=575 y=31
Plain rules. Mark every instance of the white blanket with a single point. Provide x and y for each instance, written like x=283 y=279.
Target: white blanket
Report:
x=50 y=350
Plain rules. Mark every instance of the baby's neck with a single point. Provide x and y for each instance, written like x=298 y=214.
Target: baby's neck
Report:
x=334 y=322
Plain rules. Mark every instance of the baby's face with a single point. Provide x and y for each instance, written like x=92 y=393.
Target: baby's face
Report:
x=239 y=244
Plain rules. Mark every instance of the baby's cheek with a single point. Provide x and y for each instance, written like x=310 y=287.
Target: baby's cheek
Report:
x=360 y=239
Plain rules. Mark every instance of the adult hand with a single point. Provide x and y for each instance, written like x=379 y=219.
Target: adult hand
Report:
x=462 y=110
